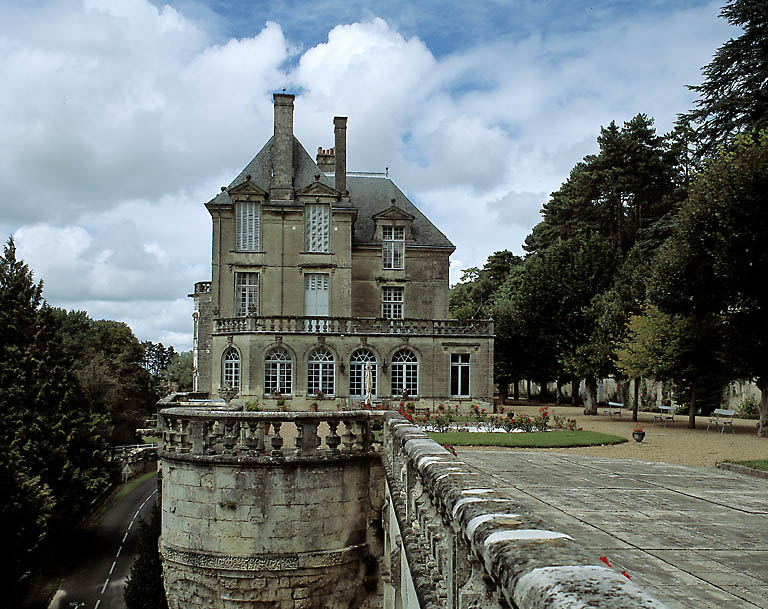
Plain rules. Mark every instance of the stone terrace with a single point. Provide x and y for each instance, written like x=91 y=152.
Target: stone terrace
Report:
x=690 y=536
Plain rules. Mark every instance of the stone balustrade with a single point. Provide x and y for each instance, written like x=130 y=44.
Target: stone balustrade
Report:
x=468 y=544
x=203 y=287
x=217 y=434
x=352 y=325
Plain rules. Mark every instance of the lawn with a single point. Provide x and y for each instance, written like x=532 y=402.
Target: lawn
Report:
x=753 y=463
x=545 y=439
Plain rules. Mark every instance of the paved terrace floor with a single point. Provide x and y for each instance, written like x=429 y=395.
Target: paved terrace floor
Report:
x=693 y=537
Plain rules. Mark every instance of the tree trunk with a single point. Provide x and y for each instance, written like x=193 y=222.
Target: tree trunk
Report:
x=590 y=395
x=634 y=402
x=528 y=389
x=692 y=409
x=503 y=392
x=574 y=391
x=559 y=399
x=762 y=424
x=516 y=390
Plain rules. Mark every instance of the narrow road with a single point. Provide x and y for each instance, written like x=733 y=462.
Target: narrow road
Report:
x=97 y=578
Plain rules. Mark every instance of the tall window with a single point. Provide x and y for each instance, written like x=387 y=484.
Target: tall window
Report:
x=231 y=372
x=247 y=219
x=357 y=372
x=321 y=372
x=318 y=227
x=393 y=254
x=246 y=294
x=392 y=302
x=405 y=373
x=460 y=374
x=278 y=372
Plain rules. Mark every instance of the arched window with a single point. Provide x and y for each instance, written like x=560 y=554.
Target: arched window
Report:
x=321 y=372
x=357 y=372
x=231 y=372
x=278 y=372
x=405 y=373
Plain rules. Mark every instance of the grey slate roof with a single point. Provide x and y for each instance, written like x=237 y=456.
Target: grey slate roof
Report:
x=369 y=195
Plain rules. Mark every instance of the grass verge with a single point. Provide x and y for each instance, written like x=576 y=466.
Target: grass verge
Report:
x=761 y=464
x=545 y=439
x=132 y=484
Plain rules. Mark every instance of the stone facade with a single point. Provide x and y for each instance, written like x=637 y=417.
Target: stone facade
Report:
x=317 y=264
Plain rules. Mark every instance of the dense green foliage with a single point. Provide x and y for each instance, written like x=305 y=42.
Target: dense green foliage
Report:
x=108 y=360
x=144 y=587
x=54 y=444
x=650 y=259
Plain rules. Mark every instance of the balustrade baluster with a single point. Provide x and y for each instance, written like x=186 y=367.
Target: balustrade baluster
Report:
x=277 y=441
x=332 y=440
x=348 y=439
x=251 y=429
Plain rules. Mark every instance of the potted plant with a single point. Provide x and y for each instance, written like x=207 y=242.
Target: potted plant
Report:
x=638 y=433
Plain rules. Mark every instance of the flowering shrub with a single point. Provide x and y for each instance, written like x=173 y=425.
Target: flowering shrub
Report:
x=450 y=449
x=638 y=428
x=525 y=423
x=541 y=421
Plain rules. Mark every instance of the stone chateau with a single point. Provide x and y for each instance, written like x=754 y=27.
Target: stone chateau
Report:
x=315 y=272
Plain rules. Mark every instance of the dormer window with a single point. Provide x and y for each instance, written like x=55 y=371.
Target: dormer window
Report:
x=393 y=247
x=318 y=227
x=247 y=221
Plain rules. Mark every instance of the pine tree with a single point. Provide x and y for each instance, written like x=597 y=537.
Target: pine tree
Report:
x=734 y=95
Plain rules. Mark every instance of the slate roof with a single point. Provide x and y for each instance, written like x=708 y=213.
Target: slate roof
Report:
x=369 y=195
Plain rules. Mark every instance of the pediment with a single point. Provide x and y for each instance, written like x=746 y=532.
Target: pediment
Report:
x=246 y=191
x=393 y=213
x=318 y=189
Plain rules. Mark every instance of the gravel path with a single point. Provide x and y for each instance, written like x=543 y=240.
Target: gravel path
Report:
x=671 y=444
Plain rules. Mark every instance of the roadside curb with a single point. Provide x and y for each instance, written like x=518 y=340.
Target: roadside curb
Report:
x=740 y=469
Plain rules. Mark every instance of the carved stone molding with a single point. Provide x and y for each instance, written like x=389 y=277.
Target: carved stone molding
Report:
x=261 y=562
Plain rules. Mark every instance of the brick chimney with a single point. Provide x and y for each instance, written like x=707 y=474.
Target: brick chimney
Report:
x=281 y=187
x=326 y=159
x=340 y=160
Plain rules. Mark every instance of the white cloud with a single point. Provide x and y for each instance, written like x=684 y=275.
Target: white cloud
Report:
x=121 y=118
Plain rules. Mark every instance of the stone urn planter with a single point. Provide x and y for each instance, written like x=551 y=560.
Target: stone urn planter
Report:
x=638 y=435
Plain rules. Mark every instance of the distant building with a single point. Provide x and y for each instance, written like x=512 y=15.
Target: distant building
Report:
x=316 y=271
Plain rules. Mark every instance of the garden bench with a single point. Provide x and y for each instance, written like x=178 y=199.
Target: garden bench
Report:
x=721 y=417
x=666 y=413
x=614 y=408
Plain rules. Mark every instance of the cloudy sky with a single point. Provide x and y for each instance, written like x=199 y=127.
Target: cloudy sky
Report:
x=120 y=118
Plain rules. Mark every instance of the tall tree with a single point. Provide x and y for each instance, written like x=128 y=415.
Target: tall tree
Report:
x=53 y=448
x=733 y=98
x=719 y=263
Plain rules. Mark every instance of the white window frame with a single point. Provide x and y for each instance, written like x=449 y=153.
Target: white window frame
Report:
x=393 y=302
x=278 y=372
x=230 y=370
x=393 y=247
x=321 y=372
x=247 y=291
x=357 y=373
x=461 y=373
x=317 y=227
x=405 y=373
x=247 y=226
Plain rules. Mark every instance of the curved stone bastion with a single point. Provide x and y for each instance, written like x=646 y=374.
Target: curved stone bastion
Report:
x=270 y=509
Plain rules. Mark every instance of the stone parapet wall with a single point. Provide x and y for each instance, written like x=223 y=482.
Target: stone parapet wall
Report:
x=250 y=522
x=468 y=544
